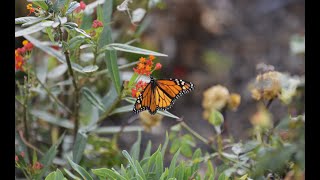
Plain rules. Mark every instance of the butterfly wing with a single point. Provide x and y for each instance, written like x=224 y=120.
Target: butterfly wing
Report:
x=146 y=100
x=167 y=91
x=161 y=94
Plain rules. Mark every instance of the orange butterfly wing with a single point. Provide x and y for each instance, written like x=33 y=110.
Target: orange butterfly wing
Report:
x=161 y=94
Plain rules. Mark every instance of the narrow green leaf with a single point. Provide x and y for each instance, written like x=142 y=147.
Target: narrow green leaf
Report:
x=163 y=151
x=55 y=175
x=147 y=152
x=168 y=114
x=116 y=129
x=57 y=71
x=223 y=177
x=135 y=149
x=45 y=116
x=173 y=164
x=29 y=30
x=131 y=162
x=79 y=146
x=196 y=160
x=111 y=61
x=122 y=109
x=132 y=49
x=72 y=6
x=52 y=52
x=47 y=159
x=158 y=165
x=92 y=98
x=70 y=174
x=83 y=173
x=50 y=34
x=34 y=21
x=105 y=173
x=22 y=20
x=140 y=170
x=210 y=174
x=90 y=68
x=76 y=41
x=81 y=31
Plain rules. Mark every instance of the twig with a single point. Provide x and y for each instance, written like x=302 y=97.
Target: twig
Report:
x=28 y=144
x=53 y=97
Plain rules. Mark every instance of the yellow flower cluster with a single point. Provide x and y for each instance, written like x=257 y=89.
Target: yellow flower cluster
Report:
x=218 y=97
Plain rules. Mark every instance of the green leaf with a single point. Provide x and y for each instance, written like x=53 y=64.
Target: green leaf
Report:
x=47 y=159
x=81 y=31
x=92 y=98
x=50 y=34
x=131 y=162
x=79 y=146
x=75 y=42
x=70 y=174
x=147 y=152
x=40 y=3
x=55 y=175
x=168 y=114
x=57 y=71
x=52 y=52
x=90 y=68
x=210 y=174
x=22 y=20
x=105 y=173
x=116 y=129
x=135 y=149
x=196 y=160
x=129 y=48
x=122 y=109
x=29 y=30
x=34 y=21
x=111 y=60
x=47 y=117
x=173 y=164
x=158 y=166
x=72 y=6
x=140 y=170
x=163 y=151
x=216 y=119
x=83 y=173
x=223 y=177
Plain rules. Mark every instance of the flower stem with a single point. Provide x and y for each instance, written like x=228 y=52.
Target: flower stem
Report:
x=76 y=89
x=183 y=124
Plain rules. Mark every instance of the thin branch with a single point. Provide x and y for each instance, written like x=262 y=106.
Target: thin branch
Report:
x=28 y=144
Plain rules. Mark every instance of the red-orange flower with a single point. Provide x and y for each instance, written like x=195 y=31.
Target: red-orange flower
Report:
x=158 y=66
x=37 y=166
x=97 y=23
x=81 y=7
x=144 y=66
x=16 y=158
x=30 y=8
x=19 y=61
x=135 y=92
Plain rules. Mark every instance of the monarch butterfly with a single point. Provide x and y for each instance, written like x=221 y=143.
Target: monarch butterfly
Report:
x=161 y=94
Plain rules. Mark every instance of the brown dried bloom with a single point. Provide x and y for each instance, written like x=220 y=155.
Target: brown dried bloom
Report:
x=148 y=121
x=267 y=86
x=234 y=101
x=215 y=97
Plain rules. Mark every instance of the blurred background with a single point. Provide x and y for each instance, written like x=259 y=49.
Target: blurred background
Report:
x=211 y=42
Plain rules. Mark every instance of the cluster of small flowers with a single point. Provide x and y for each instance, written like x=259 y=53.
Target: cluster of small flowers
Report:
x=145 y=66
x=217 y=98
x=36 y=166
x=30 y=8
x=97 y=23
x=135 y=92
x=21 y=54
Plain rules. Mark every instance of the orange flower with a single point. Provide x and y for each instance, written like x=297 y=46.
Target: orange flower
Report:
x=30 y=8
x=19 y=61
x=135 y=92
x=151 y=57
x=142 y=60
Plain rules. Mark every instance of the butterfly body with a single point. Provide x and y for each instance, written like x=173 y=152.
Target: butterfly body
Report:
x=160 y=94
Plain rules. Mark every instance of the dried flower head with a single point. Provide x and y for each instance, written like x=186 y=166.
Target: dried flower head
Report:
x=234 y=101
x=267 y=86
x=148 y=121
x=215 y=97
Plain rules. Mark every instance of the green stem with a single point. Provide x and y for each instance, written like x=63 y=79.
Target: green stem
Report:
x=108 y=111
x=53 y=97
x=204 y=140
x=76 y=89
